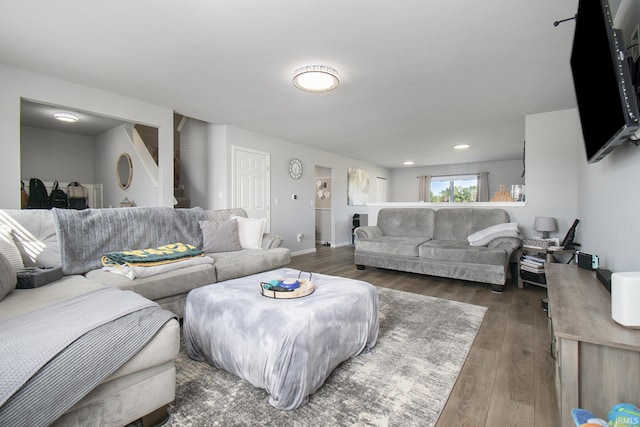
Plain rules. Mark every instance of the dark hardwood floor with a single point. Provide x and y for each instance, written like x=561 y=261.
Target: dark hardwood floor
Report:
x=507 y=379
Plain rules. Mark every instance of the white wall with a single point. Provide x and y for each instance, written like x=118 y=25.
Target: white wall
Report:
x=288 y=217
x=17 y=84
x=194 y=152
x=551 y=179
x=55 y=156
x=109 y=146
x=404 y=185
x=609 y=207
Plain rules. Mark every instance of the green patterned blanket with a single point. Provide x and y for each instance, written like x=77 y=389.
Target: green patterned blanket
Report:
x=153 y=256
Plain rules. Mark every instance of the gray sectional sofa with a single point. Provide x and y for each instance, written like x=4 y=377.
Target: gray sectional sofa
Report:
x=474 y=244
x=145 y=384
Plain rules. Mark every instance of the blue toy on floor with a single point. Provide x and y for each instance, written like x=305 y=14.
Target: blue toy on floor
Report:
x=584 y=418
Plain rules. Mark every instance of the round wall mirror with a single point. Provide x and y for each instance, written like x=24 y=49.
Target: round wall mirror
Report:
x=124 y=171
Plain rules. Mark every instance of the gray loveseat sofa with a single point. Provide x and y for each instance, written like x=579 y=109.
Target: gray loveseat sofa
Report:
x=144 y=385
x=437 y=243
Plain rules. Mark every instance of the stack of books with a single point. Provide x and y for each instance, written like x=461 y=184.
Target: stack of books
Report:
x=532 y=268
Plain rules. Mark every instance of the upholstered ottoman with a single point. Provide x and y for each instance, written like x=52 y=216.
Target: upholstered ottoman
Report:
x=286 y=346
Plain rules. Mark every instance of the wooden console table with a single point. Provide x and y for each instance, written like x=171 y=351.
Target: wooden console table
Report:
x=597 y=361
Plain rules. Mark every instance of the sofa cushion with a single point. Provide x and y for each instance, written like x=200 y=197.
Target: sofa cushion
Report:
x=392 y=245
x=460 y=251
x=161 y=285
x=220 y=236
x=406 y=222
x=8 y=278
x=231 y=265
x=24 y=300
x=459 y=223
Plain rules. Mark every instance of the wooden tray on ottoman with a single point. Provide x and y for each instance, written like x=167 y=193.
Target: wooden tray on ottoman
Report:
x=306 y=288
x=287 y=288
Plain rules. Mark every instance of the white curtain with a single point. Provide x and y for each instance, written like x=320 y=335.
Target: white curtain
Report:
x=424 y=188
x=483 y=187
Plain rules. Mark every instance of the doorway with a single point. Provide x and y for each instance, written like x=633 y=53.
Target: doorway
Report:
x=381 y=189
x=323 y=206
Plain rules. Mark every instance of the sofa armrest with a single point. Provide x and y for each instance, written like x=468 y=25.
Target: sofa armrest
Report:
x=270 y=241
x=368 y=232
x=508 y=244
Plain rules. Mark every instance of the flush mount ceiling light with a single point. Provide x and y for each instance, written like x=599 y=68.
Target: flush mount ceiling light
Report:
x=407 y=163
x=316 y=78
x=461 y=146
x=65 y=117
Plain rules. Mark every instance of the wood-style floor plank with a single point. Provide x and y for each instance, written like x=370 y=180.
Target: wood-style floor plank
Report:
x=507 y=379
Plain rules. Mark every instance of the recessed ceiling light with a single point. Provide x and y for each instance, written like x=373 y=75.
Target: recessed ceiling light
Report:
x=316 y=78
x=65 y=117
x=461 y=146
x=407 y=163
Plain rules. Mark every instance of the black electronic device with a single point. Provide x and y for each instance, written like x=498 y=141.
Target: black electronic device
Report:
x=568 y=241
x=356 y=220
x=588 y=261
x=604 y=276
x=34 y=277
x=607 y=101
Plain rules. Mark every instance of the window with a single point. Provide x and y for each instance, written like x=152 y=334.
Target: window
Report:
x=454 y=189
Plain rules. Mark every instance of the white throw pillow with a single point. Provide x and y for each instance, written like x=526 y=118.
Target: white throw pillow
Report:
x=8 y=247
x=250 y=231
x=8 y=278
x=484 y=236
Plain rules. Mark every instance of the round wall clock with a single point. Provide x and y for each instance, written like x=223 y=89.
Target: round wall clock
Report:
x=295 y=168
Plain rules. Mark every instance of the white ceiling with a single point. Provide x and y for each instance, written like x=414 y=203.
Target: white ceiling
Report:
x=417 y=76
x=41 y=116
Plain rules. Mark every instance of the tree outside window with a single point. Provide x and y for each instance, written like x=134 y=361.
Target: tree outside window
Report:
x=454 y=189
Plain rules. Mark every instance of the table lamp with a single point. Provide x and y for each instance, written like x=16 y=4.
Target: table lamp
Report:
x=544 y=224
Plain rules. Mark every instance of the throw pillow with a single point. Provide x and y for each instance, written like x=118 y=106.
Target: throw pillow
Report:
x=250 y=231
x=8 y=247
x=484 y=236
x=8 y=278
x=220 y=236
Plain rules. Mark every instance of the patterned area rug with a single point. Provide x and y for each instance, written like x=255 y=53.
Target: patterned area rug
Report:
x=404 y=380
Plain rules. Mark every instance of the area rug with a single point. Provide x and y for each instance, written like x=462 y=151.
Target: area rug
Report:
x=404 y=380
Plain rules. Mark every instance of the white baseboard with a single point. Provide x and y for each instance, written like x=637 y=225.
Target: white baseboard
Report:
x=305 y=251
x=343 y=244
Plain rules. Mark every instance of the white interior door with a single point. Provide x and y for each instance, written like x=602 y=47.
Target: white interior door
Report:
x=251 y=187
x=381 y=189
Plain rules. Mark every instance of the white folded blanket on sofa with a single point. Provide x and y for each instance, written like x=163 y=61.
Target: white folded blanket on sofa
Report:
x=137 y=272
x=484 y=236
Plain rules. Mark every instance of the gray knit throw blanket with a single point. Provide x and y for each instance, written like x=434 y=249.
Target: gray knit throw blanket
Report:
x=86 y=235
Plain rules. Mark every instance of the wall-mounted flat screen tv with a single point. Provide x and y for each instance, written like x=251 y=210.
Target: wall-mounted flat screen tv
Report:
x=607 y=101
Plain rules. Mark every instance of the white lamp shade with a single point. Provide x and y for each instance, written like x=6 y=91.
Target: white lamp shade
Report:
x=544 y=223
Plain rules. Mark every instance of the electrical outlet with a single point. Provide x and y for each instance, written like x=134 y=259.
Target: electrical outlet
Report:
x=299 y=237
x=294 y=197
